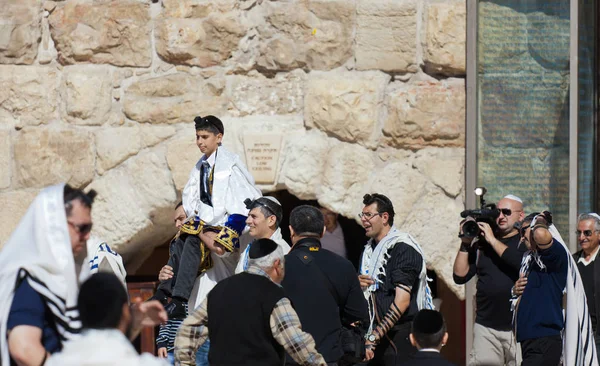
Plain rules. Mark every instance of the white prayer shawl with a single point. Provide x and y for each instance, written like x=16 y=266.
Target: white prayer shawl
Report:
x=373 y=263
x=103 y=259
x=41 y=246
x=276 y=237
x=232 y=184
x=579 y=347
x=108 y=347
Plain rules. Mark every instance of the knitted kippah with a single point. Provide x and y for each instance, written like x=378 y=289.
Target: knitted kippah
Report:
x=261 y=248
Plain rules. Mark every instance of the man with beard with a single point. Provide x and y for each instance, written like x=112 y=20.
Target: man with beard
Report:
x=107 y=321
x=496 y=259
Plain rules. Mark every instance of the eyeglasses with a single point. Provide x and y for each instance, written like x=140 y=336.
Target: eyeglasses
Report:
x=585 y=232
x=81 y=229
x=368 y=215
x=523 y=230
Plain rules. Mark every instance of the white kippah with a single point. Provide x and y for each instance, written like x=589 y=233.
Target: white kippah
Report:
x=271 y=198
x=514 y=198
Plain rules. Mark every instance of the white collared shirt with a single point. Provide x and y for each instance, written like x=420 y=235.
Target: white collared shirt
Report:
x=592 y=258
x=211 y=158
x=429 y=350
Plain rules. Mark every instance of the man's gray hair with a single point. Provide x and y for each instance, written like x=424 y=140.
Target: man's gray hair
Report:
x=265 y=263
x=590 y=216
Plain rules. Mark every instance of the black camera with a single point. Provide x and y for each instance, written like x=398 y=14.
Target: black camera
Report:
x=487 y=213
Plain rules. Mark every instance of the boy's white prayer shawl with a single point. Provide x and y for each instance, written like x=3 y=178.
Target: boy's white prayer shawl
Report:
x=41 y=246
x=373 y=263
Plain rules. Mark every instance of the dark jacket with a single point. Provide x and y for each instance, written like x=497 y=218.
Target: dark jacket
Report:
x=427 y=358
x=315 y=304
x=577 y=256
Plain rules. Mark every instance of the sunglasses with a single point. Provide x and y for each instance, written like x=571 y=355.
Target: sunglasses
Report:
x=81 y=229
x=584 y=232
x=506 y=211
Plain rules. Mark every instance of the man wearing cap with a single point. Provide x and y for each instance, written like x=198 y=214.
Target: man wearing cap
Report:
x=496 y=259
x=246 y=329
x=428 y=334
x=322 y=285
x=263 y=222
x=588 y=236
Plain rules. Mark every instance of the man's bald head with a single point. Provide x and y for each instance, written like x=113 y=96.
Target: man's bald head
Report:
x=511 y=212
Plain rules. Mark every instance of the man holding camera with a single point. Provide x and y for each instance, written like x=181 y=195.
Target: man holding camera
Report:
x=495 y=256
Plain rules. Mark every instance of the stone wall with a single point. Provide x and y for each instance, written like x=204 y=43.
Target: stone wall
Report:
x=369 y=95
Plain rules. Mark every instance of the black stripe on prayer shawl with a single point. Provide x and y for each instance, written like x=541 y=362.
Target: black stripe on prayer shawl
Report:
x=66 y=324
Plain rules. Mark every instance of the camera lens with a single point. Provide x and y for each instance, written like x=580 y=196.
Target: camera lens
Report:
x=470 y=229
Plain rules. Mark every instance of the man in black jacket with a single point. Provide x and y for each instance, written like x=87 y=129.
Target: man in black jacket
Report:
x=322 y=285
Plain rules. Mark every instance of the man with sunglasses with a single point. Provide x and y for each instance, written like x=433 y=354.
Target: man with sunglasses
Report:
x=495 y=257
x=588 y=235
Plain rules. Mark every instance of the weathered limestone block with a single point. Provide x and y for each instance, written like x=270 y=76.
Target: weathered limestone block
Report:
x=386 y=35
x=28 y=95
x=548 y=36
x=199 y=42
x=182 y=155
x=196 y=8
x=174 y=98
x=114 y=145
x=444 y=51
x=343 y=184
x=20 y=31
x=5 y=158
x=49 y=155
x=14 y=205
x=303 y=166
x=257 y=94
x=444 y=168
x=316 y=34
x=433 y=221
x=346 y=105
x=134 y=206
x=426 y=113
x=116 y=32
x=88 y=94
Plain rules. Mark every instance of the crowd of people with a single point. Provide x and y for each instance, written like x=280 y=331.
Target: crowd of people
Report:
x=233 y=291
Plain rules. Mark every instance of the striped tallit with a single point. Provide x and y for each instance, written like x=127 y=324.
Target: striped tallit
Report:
x=39 y=251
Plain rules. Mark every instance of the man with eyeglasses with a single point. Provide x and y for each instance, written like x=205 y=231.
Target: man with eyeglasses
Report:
x=495 y=257
x=588 y=235
x=393 y=277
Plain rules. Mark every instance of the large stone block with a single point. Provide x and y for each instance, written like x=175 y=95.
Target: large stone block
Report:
x=5 y=157
x=314 y=34
x=257 y=94
x=116 y=32
x=445 y=41
x=303 y=166
x=197 y=8
x=14 y=205
x=199 y=42
x=182 y=155
x=386 y=35
x=20 y=31
x=444 y=168
x=346 y=105
x=88 y=94
x=134 y=207
x=174 y=98
x=28 y=95
x=426 y=113
x=344 y=177
x=49 y=155
x=114 y=145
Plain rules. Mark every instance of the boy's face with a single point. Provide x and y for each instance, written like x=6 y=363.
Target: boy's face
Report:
x=207 y=141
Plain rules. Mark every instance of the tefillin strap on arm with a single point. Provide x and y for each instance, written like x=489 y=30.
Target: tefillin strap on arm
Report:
x=392 y=316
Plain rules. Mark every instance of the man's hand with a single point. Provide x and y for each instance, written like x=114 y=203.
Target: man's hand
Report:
x=166 y=272
x=488 y=233
x=146 y=314
x=520 y=285
x=208 y=238
x=370 y=352
x=162 y=352
x=365 y=281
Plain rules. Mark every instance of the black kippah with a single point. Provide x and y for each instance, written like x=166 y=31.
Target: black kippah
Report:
x=209 y=123
x=271 y=205
x=428 y=322
x=261 y=248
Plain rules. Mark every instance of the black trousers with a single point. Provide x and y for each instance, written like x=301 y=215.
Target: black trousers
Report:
x=545 y=351
x=386 y=355
x=185 y=259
